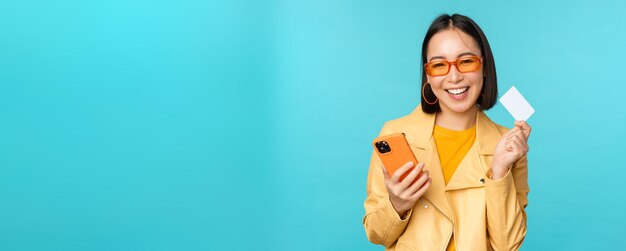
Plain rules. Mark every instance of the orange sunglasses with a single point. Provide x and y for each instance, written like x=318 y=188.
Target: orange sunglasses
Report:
x=442 y=67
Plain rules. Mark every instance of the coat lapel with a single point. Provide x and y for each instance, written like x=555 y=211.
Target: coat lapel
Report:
x=419 y=130
x=472 y=170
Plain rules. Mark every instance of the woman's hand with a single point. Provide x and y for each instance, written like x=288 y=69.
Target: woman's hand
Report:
x=403 y=194
x=512 y=147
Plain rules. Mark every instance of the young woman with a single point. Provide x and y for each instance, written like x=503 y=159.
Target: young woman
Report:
x=474 y=186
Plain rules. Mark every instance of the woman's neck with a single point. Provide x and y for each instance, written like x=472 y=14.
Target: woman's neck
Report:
x=456 y=121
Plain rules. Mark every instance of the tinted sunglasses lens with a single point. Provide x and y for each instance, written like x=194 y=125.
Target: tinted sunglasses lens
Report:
x=468 y=64
x=437 y=68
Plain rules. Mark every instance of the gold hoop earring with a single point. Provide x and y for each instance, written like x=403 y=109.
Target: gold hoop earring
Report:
x=424 y=96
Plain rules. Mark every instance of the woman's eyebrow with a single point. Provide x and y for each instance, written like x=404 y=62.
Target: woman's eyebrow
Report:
x=437 y=57
x=460 y=55
x=465 y=54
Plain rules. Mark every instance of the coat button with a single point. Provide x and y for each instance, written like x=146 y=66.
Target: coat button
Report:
x=482 y=181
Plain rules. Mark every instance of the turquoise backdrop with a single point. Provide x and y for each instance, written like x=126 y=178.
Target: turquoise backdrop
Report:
x=246 y=125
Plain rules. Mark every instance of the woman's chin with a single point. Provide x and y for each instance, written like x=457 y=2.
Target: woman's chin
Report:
x=456 y=107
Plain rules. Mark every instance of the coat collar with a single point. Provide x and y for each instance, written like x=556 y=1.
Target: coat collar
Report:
x=419 y=131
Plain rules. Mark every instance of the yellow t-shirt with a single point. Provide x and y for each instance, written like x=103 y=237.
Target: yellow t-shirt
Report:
x=452 y=147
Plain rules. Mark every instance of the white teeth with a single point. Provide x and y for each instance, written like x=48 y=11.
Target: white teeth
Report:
x=457 y=91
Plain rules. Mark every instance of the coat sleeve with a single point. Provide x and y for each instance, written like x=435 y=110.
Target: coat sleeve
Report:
x=382 y=223
x=506 y=199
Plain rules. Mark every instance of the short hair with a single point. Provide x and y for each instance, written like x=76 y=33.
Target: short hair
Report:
x=489 y=92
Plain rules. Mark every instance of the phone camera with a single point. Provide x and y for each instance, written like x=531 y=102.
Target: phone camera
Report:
x=383 y=147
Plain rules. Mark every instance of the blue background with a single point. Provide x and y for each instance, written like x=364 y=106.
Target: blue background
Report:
x=201 y=125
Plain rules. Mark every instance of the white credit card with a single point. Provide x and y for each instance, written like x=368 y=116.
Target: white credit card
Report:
x=516 y=104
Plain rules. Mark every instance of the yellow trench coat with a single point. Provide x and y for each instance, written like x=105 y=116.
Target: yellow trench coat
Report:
x=483 y=214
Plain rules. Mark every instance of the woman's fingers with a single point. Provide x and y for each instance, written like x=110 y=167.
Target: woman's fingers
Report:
x=418 y=183
x=509 y=142
x=524 y=127
x=521 y=129
x=517 y=132
x=410 y=178
x=400 y=172
x=520 y=144
x=422 y=190
x=517 y=146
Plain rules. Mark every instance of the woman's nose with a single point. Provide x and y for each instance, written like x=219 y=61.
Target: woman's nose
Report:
x=454 y=75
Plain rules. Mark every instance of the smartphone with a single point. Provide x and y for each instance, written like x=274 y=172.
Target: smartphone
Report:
x=394 y=151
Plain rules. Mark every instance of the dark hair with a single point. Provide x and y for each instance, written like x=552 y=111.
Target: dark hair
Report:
x=489 y=93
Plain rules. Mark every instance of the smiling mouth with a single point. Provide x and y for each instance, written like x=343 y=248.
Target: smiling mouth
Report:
x=457 y=91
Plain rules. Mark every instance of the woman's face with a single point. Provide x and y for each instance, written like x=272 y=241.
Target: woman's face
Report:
x=457 y=92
